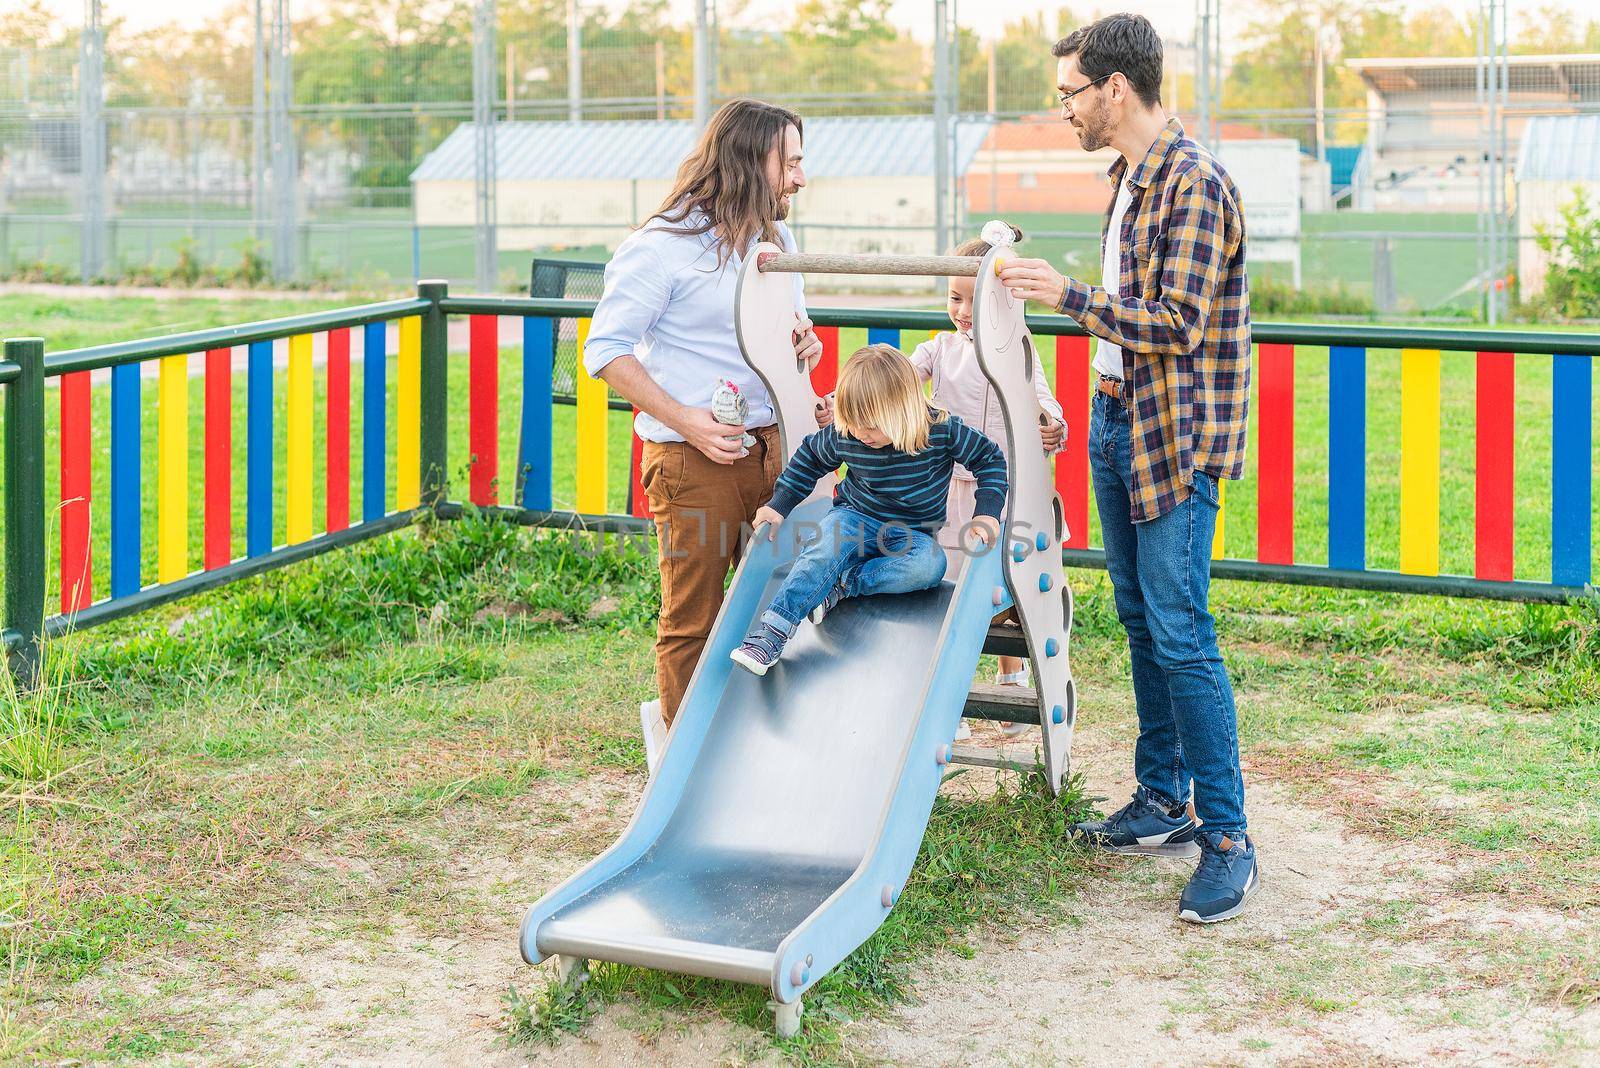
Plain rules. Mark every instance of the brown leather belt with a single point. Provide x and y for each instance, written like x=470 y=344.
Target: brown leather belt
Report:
x=1111 y=387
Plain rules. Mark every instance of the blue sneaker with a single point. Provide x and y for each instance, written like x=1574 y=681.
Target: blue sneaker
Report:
x=761 y=649
x=1224 y=881
x=1149 y=826
x=819 y=613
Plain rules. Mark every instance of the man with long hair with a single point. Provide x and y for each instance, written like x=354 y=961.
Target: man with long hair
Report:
x=1172 y=315
x=663 y=337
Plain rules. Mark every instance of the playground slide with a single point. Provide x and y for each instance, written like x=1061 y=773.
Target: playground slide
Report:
x=787 y=809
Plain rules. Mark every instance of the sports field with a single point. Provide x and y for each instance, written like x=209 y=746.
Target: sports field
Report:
x=1432 y=256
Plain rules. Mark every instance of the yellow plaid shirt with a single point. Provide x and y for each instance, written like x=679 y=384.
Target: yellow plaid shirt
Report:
x=1182 y=317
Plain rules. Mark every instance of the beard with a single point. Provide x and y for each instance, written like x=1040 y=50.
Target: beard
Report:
x=1094 y=130
x=783 y=209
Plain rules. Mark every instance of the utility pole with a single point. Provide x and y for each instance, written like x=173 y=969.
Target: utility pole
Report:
x=1318 y=103
x=284 y=166
x=702 y=65
x=511 y=81
x=661 y=80
x=483 y=135
x=92 y=141
x=941 y=126
x=574 y=63
x=258 y=131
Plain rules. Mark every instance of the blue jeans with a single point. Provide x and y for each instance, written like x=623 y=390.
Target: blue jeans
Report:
x=1161 y=577
x=862 y=555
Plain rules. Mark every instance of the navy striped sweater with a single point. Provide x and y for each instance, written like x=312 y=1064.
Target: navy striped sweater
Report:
x=890 y=485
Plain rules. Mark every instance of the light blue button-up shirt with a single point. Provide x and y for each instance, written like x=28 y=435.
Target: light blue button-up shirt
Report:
x=667 y=303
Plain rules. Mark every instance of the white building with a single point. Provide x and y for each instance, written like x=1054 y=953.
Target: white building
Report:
x=1560 y=155
x=573 y=184
x=1424 y=145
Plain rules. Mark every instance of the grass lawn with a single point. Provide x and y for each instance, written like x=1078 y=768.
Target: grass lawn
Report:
x=299 y=818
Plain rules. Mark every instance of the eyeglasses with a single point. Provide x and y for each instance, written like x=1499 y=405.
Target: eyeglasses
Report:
x=1066 y=98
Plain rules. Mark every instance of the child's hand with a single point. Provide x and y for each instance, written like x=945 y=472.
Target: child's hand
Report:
x=1053 y=433
x=825 y=411
x=771 y=518
x=987 y=528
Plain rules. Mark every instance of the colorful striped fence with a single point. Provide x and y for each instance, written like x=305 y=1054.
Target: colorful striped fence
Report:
x=273 y=368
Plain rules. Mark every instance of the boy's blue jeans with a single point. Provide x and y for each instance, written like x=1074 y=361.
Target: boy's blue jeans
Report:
x=862 y=555
x=1161 y=577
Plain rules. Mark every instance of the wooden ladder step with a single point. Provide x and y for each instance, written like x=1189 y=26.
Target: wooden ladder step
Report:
x=1005 y=641
x=1021 y=756
x=1008 y=704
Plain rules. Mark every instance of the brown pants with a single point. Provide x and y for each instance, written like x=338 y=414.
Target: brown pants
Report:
x=700 y=508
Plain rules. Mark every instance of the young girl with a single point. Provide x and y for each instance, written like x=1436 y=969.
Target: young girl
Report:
x=960 y=387
x=879 y=535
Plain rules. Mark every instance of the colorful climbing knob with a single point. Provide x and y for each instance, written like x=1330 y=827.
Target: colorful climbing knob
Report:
x=1051 y=647
x=798 y=974
x=1044 y=583
x=1018 y=552
x=999 y=596
x=887 y=897
x=1058 y=714
x=942 y=757
x=1042 y=540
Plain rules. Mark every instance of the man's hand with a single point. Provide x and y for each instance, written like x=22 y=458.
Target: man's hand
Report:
x=1033 y=280
x=986 y=527
x=766 y=515
x=825 y=411
x=807 y=345
x=720 y=442
x=1054 y=433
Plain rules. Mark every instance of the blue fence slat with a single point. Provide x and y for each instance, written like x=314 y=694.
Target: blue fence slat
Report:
x=1347 y=458
x=125 y=492
x=880 y=335
x=534 y=463
x=258 y=451
x=374 y=413
x=1570 y=470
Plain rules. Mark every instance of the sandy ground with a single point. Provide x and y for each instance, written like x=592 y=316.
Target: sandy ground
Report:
x=1119 y=981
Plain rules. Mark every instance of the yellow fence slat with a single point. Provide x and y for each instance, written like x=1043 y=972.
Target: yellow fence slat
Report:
x=1419 y=461
x=408 y=416
x=172 y=471
x=591 y=434
x=1217 y=552
x=297 y=483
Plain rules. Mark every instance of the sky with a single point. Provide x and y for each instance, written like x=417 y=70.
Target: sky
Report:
x=1174 y=17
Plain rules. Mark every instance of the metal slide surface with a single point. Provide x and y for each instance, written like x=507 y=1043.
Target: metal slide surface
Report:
x=787 y=809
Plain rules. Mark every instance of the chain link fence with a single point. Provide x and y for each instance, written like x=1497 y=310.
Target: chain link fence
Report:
x=1394 y=206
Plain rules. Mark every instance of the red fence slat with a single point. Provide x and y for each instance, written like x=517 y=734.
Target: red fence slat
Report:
x=338 y=467
x=1275 y=452
x=483 y=416
x=1496 y=382
x=1072 y=463
x=76 y=584
x=217 y=550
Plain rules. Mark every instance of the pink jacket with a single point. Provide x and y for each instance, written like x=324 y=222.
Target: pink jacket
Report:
x=950 y=361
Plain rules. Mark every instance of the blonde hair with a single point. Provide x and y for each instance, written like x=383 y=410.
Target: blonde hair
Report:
x=878 y=390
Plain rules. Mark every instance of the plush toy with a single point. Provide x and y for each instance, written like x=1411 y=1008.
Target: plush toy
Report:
x=729 y=406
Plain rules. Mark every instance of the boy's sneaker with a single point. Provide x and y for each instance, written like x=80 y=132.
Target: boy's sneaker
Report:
x=1149 y=825
x=1226 y=878
x=760 y=650
x=654 y=726
x=819 y=613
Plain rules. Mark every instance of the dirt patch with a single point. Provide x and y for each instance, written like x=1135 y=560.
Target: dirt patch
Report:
x=1305 y=975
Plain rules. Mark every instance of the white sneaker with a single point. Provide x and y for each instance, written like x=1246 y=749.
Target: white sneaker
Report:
x=963 y=732
x=655 y=733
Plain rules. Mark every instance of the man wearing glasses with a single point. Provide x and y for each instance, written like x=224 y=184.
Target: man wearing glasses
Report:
x=1172 y=315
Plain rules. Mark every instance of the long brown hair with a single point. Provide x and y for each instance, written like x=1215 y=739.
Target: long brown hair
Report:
x=725 y=177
